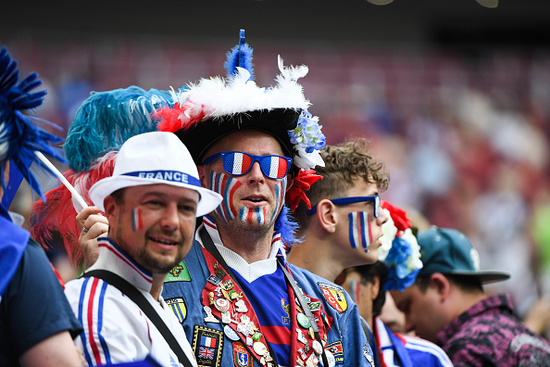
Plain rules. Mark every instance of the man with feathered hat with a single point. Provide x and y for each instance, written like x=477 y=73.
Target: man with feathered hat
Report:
x=255 y=146
x=36 y=322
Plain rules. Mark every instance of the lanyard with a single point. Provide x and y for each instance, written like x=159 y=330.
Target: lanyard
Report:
x=211 y=248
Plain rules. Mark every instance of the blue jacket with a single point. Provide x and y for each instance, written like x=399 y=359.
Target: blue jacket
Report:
x=213 y=342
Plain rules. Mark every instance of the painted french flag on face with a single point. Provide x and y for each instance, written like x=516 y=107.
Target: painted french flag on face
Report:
x=208 y=342
x=359 y=230
x=241 y=163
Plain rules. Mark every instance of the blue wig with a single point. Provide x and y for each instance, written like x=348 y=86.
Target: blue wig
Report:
x=106 y=120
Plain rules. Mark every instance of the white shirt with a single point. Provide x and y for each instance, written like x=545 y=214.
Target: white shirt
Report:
x=115 y=329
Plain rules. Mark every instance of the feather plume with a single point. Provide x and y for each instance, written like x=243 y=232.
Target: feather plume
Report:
x=55 y=219
x=107 y=119
x=240 y=56
x=20 y=134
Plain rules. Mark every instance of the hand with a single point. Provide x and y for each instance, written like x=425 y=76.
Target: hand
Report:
x=92 y=224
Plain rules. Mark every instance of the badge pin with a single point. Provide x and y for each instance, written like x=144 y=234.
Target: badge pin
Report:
x=226 y=317
x=317 y=347
x=260 y=348
x=240 y=306
x=301 y=336
x=222 y=304
x=214 y=279
x=230 y=333
x=303 y=321
x=209 y=317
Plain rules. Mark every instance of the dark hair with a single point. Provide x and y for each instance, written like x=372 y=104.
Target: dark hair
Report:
x=368 y=273
x=466 y=283
x=343 y=164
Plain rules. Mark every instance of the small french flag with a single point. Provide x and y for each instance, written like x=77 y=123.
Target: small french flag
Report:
x=208 y=342
x=137 y=222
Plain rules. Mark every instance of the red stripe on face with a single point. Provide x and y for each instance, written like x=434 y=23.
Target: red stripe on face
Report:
x=370 y=229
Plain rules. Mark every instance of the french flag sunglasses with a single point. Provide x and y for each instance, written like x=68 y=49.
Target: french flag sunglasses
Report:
x=239 y=163
x=353 y=200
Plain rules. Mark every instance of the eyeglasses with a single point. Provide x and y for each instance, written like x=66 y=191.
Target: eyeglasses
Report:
x=353 y=200
x=239 y=163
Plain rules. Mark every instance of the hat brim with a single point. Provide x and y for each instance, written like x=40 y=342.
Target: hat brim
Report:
x=208 y=201
x=485 y=276
x=275 y=122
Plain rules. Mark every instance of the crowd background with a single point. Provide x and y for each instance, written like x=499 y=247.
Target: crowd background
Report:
x=454 y=96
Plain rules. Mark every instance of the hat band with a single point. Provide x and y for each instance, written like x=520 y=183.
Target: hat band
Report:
x=170 y=176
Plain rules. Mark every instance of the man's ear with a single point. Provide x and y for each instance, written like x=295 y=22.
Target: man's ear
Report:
x=441 y=285
x=326 y=215
x=375 y=288
x=289 y=181
x=203 y=174
x=109 y=204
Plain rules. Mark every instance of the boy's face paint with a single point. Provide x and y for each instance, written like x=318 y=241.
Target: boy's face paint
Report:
x=137 y=221
x=360 y=233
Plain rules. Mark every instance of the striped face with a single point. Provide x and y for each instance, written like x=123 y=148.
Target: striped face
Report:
x=227 y=185
x=239 y=163
x=360 y=232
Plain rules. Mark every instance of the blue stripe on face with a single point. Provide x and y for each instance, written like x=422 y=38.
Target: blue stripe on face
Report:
x=362 y=218
x=352 y=231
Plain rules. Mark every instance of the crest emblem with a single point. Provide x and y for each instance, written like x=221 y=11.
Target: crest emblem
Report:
x=177 y=305
x=241 y=356
x=335 y=296
x=179 y=273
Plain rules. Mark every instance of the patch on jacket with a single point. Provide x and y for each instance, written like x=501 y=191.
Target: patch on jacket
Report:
x=208 y=346
x=178 y=273
x=177 y=305
x=337 y=351
x=335 y=296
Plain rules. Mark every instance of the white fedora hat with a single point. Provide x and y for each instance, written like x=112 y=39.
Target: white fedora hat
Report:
x=155 y=158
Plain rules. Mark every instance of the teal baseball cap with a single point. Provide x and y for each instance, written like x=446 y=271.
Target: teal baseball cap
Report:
x=448 y=251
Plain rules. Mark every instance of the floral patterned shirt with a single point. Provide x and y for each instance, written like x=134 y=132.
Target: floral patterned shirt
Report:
x=490 y=334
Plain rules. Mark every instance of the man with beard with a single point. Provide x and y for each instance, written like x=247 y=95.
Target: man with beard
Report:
x=151 y=202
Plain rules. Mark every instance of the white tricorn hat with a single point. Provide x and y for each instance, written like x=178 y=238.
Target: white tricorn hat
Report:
x=155 y=158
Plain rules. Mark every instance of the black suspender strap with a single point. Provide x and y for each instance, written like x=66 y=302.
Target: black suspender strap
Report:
x=210 y=247
x=138 y=298
x=305 y=307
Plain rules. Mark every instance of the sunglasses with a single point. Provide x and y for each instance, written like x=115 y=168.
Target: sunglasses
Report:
x=353 y=200
x=239 y=163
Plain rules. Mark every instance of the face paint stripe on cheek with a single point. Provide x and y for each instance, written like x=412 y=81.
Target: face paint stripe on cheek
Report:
x=369 y=229
x=352 y=231
x=361 y=229
x=235 y=184
x=215 y=184
x=137 y=221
